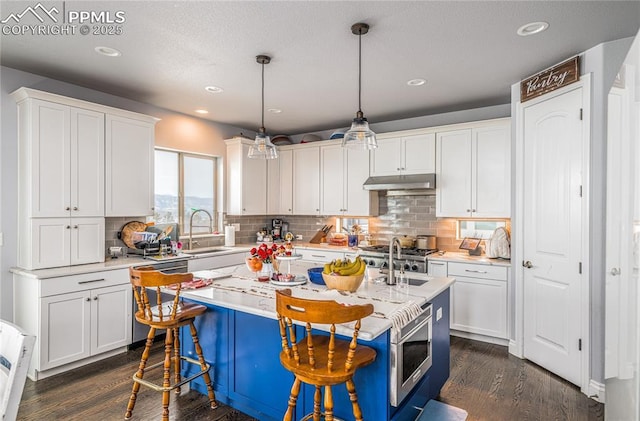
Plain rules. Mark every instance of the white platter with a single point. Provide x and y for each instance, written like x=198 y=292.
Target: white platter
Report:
x=300 y=280
x=292 y=257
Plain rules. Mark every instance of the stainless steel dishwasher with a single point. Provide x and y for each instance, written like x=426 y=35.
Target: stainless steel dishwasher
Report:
x=140 y=331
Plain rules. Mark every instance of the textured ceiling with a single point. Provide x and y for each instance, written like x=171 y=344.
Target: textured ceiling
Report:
x=468 y=52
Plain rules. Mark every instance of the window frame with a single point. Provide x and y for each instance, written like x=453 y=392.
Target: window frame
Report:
x=460 y=221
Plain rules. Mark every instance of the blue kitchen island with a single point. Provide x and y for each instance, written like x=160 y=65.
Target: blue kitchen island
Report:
x=240 y=339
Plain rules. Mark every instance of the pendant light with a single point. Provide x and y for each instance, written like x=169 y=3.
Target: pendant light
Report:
x=262 y=148
x=360 y=136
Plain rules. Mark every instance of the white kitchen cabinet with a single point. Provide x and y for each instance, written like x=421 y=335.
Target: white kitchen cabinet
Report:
x=215 y=262
x=479 y=299
x=129 y=166
x=280 y=183
x=409 y=154
x=306 y=180
x=473 y=171
x=319 y=256
x=246 y=180
x=437 y=268
x=344 y=171
x=77 y=319
x=56 y=242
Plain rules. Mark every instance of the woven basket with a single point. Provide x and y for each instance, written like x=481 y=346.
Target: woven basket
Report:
x=343 y=283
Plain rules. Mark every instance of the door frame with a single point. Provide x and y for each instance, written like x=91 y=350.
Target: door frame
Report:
x=516 y=343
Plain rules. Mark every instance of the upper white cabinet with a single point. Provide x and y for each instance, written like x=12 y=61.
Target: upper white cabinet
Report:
x=306 y=180
x=280 y=184
x=246 y=180
x=129 y=166
x=410 y=154
x=343 y=173
x=473 y=171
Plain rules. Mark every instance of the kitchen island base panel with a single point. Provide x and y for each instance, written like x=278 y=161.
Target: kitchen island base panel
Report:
x=244 y=349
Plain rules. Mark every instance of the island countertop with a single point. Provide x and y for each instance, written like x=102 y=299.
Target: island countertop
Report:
x=236 y=288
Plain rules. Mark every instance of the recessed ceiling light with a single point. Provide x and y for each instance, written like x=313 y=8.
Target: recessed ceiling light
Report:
x=416 y=82
x=202 y=111
x=213 y=89
x=108 y=51
x=532 y=28
x=275 y=110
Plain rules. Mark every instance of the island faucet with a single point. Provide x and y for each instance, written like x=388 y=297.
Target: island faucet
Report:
x=193 y=213
x=391 y=278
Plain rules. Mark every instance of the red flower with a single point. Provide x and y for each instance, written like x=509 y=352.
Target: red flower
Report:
x=253 y=251
x=269 y=252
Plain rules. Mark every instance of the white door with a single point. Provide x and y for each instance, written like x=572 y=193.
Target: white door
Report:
x=386 y=159
x=491 y=168
x=553 y=153
x=419 y=154
x=87 y=163
x=273 y=185
x=87 y=240
x=50 y=244
x=306 y=181
x=286 y=181
x=110 y=318
x=254 y=184
x=332 y=160
x=358 y=200
x=453 y=174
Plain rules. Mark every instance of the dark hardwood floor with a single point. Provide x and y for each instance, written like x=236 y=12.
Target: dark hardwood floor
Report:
x=485 y=380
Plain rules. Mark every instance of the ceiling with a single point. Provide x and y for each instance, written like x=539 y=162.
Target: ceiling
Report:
x=468 y=52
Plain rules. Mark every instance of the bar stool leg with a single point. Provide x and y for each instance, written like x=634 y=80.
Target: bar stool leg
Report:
x=176 y=359
x=328 y=404
x=351 y=388
x=166 y=382
x=317 y=399
x=203 y=366
x=293 y=398
x=140 y=372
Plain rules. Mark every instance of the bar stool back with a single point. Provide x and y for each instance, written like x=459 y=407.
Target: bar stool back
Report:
x=319 y=359
x=169 y=316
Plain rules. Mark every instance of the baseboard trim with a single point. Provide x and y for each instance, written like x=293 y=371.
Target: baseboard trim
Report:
x=39 y=375
x=515 y=349
x=596 y=391
x=481 y=338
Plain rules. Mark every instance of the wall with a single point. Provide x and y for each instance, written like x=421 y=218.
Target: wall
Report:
x=174 y=131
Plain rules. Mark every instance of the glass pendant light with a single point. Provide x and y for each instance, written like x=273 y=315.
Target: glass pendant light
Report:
x=360 y=136
x=262 y=148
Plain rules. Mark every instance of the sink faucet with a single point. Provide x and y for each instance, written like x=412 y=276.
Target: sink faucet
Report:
x=193 y=213
x=391 y=278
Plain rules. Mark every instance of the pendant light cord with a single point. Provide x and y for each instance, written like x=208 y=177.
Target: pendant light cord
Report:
x=360 y=70
x=262 y=126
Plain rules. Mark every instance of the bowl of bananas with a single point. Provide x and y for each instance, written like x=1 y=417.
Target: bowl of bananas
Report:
x=344 y=275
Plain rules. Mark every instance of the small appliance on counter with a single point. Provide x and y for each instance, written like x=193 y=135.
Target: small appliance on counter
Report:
x=149 y=240
x=276 y=229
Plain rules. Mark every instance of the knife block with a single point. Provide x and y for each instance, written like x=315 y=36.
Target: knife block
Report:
x=317 y=238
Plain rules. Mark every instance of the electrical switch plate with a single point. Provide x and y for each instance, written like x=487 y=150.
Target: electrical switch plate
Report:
x=236 y=227
x=298 y=237
x=439 y=314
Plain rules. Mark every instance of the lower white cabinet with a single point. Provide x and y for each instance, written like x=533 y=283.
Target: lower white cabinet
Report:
x=479 y=299
x=319 y=256
x=77 y=319
x=215 y=262
x=437 y=269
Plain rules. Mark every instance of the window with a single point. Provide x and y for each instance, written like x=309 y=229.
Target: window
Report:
x=478 y=228
x=185 y=183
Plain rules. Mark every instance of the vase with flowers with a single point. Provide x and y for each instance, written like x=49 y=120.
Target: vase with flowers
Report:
x=262 y=260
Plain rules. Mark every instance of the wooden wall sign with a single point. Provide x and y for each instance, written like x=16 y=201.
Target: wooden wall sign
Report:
x=550 y=79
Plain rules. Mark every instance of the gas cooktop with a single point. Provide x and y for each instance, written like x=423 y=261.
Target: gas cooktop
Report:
x=384 y=249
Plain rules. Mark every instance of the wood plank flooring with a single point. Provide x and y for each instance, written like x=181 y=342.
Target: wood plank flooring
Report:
x=485 y=380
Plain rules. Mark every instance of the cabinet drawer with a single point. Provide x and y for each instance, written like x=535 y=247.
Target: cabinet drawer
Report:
x=324 y=256
x=82 y=282
x=477 y=271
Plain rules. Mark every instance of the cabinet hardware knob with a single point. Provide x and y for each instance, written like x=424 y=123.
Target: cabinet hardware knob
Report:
x=67 y=208
x=95 y=298
x=153 y=208
x=398 y=169
x=615 y=271
x=289 y=210
x=88 y=298
x=75 y=208
x=527 y=264
x=473 y=210
x=68 y=227
x=75 y=227
x=468 y=210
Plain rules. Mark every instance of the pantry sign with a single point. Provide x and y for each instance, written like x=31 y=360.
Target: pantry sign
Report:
x=550 y=79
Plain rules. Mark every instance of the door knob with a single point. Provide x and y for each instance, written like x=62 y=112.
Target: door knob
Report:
x=615 y=272
x=527 y=264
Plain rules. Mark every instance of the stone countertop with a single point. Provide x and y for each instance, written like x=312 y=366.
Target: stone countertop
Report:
x=240 y=291
x=465 y=258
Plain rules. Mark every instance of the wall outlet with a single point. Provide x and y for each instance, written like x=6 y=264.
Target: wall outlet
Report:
x=236 y=227
x=298 y=237
x=439 y=313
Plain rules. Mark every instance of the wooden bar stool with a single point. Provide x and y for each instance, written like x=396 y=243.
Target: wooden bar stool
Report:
x=169 y=316
x=321 y=360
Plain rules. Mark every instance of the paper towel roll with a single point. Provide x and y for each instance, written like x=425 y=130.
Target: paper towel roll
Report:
x=229 y=236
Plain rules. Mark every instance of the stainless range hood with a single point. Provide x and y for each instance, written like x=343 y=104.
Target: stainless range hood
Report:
x=409 y=184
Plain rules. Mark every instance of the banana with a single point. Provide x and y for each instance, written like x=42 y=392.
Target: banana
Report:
x=352 y=270
x=327 y=268
x=363 y=268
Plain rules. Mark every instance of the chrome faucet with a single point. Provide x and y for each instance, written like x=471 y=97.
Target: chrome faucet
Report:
x=391 y=278
x=199 y=226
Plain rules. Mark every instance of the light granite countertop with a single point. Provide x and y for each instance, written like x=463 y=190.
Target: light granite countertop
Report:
x=465 y=258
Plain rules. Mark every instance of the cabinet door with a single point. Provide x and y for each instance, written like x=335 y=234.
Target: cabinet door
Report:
x=50 y=244
x=453 y=174
x=437 y=269
x=129 y=167
x=419 y=154
x=87 y=163
x=110 y=318
x=87 y=240
x=333 y=194
x=273 y=186
x=50 y=159
x=358 y=201
x=479 y=306
x=254 y=185
x=319 y=256
x=306 y=181
x=286 y=182
x=64 y=329
x=492 y=172
x=386 y=158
